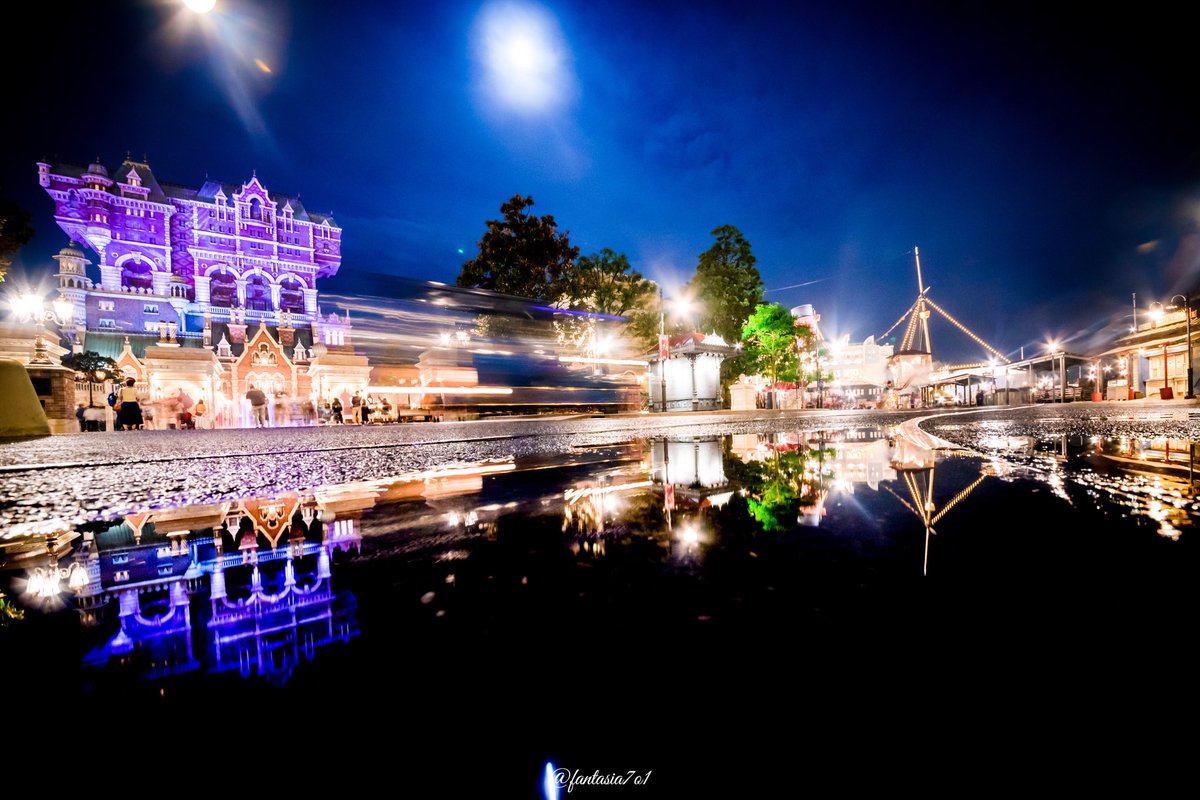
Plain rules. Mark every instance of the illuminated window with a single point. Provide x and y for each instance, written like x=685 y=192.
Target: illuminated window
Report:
x=106 y=305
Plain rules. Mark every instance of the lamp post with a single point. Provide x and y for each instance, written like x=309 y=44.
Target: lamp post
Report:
x=1187 y=316
x=664 y=350
x=28 y=307
x=1156 y=313
x=680 y=307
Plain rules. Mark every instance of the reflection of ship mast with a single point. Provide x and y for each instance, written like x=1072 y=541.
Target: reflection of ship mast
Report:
x=913 y=456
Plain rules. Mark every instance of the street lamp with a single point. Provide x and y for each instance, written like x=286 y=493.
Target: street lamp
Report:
x=1156 y=313
x=681 y=306
x=1187 y=315
x=29 y=307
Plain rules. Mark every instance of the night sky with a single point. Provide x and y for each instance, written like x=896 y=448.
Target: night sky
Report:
x=1046 y=166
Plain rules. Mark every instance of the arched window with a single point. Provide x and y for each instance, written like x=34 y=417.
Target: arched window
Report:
x=291 y=295
x=258 y=293
x=256 y=209
x=222 y=290
x=137 y=274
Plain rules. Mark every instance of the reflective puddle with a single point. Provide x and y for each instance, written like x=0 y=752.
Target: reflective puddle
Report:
x=611 y=559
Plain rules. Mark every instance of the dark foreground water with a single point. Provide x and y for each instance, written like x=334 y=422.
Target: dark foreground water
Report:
x=692 y=608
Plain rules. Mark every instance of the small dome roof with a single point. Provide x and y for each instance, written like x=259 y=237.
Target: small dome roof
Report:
x=71 y=251
x=175 y=278
x=97 y=169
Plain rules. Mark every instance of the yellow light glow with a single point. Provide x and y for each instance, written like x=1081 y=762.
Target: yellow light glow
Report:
x=628 y=362
x=423 y=390
x=200 y=6
x=258 y=62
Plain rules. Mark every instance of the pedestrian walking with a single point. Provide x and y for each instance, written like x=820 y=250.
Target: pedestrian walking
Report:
x=129 y=407
x=258 y=405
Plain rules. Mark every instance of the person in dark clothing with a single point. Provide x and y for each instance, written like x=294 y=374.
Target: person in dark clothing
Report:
x=79 y=416
x=337 y=411
x=258 y=404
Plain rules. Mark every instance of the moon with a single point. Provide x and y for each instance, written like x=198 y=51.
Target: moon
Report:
x=523 y=56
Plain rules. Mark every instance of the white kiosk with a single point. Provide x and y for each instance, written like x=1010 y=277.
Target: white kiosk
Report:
x=689 y=375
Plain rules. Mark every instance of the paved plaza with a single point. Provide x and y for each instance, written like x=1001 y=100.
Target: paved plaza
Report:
x=81 y=477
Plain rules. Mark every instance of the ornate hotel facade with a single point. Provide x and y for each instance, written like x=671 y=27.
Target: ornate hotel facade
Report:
x=206 y=289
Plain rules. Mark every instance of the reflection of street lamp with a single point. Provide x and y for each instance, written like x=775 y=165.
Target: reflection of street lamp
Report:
x=45 y=583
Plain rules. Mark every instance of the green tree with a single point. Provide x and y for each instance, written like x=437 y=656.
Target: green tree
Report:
x=770 y=336
x=726 y=284
x=605 y=283
x=521 y=254
x=15 y=232
x=89 y=363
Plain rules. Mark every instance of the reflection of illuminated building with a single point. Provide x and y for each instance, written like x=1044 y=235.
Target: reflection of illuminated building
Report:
x=264 y=565
x=855 y=461
x=914 y=457
x=693 y=468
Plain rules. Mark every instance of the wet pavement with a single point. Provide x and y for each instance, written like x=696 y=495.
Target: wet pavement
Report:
x=78 y=477
x=690 y=595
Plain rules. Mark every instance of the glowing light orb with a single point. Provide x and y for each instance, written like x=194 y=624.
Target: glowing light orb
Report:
x=200 y=6
x=523 y=57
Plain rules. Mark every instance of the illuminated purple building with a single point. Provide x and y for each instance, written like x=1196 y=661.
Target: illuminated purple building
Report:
x=185 y=282
x=205 y=250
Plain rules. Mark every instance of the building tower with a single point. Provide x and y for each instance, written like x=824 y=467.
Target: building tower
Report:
x=73 y=285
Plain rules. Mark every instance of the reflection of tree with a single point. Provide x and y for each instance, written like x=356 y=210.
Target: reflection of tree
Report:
x=9 y=613
x=780 y=484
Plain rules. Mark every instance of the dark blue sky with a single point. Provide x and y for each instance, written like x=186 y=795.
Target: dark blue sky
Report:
x=1046 y=166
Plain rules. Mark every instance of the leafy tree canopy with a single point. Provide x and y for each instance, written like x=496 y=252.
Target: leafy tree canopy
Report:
x=88 y=362
x=16 y=230
x=605 y=283
x=727 y=285
x=770 y=334
x=521 y=254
